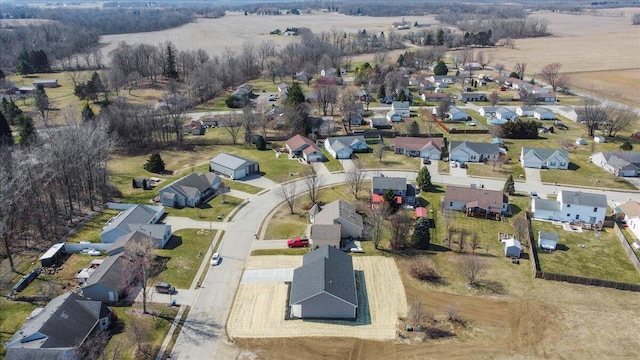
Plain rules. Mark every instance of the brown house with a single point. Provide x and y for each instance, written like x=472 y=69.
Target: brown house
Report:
x=476 y=201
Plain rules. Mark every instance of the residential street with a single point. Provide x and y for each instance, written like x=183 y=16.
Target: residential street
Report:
x=204 y=336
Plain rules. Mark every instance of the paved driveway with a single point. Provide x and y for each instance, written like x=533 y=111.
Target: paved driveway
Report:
x=269 y=244
x=320 y=168
x=180 y=222
x=457 y=172
x=181 y=296
x=267 y=276
x=532 y=176
x=259 y=181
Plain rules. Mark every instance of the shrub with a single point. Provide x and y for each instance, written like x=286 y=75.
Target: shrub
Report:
x=422 y=269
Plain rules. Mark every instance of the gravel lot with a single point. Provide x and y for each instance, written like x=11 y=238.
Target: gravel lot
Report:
x=259 y=309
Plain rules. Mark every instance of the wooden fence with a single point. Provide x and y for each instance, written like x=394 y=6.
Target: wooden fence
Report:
x=625 y=244
x=458 y=131
x=539 y=274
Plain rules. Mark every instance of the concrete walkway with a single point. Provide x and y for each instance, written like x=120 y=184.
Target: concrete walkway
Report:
x=259 y=181
x=320 y=168
x=269 y=244
x=180 y=222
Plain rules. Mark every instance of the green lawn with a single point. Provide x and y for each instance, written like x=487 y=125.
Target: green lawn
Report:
x=241 y=186
x=214 y=210
x=182 y=256
x=331 y=163
x=299 y=251
x=490 y=171
x=12 y=316
x=390 y=160
x=91 y=230
x=601 y=257
x=122 y=344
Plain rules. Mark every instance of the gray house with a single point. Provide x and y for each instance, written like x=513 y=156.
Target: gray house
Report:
x=467 y=151
x=405 y=193
x=190 y=190
x=324 y=286
x=111 y=280
x=340 y=213
x=232 y=166
x=134 y=216
x=471 y=96
x=625 y=163
x=57 y=330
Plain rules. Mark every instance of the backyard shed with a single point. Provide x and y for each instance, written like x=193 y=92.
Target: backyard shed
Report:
x=420 y=212
x=512 y=247
x=599 y=139
x=581 y=141
x=547 y=240
x=53 y=255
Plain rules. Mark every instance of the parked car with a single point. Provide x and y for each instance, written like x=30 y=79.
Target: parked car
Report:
x=298 y=242
x=272 y=98
x=215 y=259
x=165 y=288
x=426 y=161
x=534 y=194
x=463 y=166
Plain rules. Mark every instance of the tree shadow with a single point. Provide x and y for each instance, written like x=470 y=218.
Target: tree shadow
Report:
x=515 y=209
x=573 y=166
x=490 y=287
x=562 y=247
x=438 y=248
x=436 y=189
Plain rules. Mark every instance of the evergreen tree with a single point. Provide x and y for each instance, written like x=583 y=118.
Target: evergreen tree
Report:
x=87 y=113
x=382 y=93
x=1 y=75
x=5 y=132
x=155 y=163
x=94 y=87
x=27 y=130
x=41 y=101
x=509 y=186
x=170 y=71
x=295 y=95
x=424 y=179
x=390 y=201
x=24 y=68
x=421 y=235
x=261 y=143
x=440 y=68
x=10 y=110
x=440 y=38
x=39 y=61
x=414 y=129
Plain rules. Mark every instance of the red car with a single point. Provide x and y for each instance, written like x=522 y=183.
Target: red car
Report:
x=298 y=242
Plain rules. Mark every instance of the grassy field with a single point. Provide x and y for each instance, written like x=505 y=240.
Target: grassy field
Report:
x=12 y=316
x=240 y=186
x=602 y=257
x=489 y=171
x=390 y=160
x=331 y=163
x=91 y=230
x=123 y=345
x=182 y=256
x=214 y=210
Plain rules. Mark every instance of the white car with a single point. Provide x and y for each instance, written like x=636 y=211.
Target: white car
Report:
x=215 y=259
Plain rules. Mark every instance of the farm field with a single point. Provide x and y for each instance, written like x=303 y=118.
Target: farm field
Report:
x=258 y=311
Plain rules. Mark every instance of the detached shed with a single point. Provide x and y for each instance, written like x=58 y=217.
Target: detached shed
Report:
x=420 y=212
x=599 y=139
x=53 y=255
x=581 y=141
x=512 y=247
x=547 y=240
x=141 y=183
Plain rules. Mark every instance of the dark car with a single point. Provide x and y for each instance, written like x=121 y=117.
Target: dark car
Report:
x=165 y=288
x=426 y=161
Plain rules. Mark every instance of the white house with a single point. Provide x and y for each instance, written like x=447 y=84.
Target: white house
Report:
x=132 y=218
x=625 y=163
x=394 y=116
x=525 y=111
x=504 y=113
x=466 y=151
x=456 y=114
x=573 y=206
x=581 y=141
x=329 y=72
x=342 y=147
x=487 y=111
x=426 y=148
x=401 y=107
x=540 y=158
x=304 y=148
x=632 y=216
x=541 y=113
x=547 y=240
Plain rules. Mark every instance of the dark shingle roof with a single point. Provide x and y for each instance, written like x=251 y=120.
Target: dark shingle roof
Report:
x=393 y=183
x=582 y=198
x=326 y=269
x=110 y=272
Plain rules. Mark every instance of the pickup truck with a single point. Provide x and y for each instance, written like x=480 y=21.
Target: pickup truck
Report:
x=298 y=242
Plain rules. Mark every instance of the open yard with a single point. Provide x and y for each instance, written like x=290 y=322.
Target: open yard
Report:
x=590 y=254
x=214 y=210
x=390 y=160
x=91 y=230
x=258 y=311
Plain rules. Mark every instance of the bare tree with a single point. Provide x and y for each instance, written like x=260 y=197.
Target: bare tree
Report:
x=400 y=227
x=249 y=123
x=467 y=55
x=142 y=260
x=498 y=67
x=483 y=59
x=233 y=126
x=550 y=73
x=93 y=346
x=494 y=98
x=471 y=267
x=327 y=96
x=313 y=182
x=521 y=228
x=347 y=105
x=591 y=114
x=474 y=244
x=416 y=313
x=379 y=151
x=288 y=192
x=443 y=107
x=42 y=104
x=427 y=116
x=462 y=239
x=142 y=333
x=456 y=59
x=356 y=176
x=519 y=69
x=618 y=118
x=375 y=219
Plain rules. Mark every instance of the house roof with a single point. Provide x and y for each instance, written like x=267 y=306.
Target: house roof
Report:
x=231 y=161
x=338 y=209
x=582 y=198
x=416 y=143
x=379 y=121
x=454 y=110
x=631 y=209
x=301 y=143
x=545 y=235
x=481 y=198
x=188 y=186
x=436 y=95
x=385 y=183
x=325 y=269
x=121 y=242
x=543 y=153
x=545 y=204
x=63 y=323
x=156 y=231
x=347 y=141
x=480 y=148
x=110 y=272
x=509 y=242
x=624 y=160
x=325 y=232
x=471 y=95
x=420 y=212
x=137 y=214
x=400 y=105
x=379 y=199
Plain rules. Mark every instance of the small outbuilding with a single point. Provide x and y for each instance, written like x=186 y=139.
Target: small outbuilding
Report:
x=581 y=141
x=547 y=240
x=233 y=166
x=512 y=247
x=420 y=212
x=141 y=183
x=53 y=255
x=599 y=139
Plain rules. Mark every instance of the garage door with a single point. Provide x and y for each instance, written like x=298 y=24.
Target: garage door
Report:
x=240 y=173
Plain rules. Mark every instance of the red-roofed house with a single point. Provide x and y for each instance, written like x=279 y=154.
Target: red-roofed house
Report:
x=304 y=148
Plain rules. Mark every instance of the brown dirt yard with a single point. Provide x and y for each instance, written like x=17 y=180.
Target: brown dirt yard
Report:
x=259 y=309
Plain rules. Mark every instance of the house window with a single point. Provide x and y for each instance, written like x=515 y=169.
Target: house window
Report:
x=577 y=216
x=451 y=203
x=568 y=205
x=563 y=164
x=552 y=163
x=595 y=209
x=568 y=215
